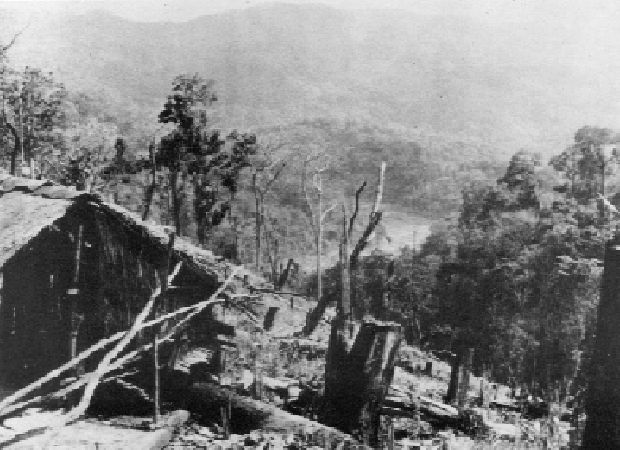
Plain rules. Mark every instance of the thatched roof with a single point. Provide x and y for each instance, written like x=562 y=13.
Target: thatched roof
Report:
x=29 y=206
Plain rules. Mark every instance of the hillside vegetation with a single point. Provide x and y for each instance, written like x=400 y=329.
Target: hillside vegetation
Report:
x=243 y=131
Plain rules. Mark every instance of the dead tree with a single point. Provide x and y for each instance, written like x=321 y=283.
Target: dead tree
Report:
x=360 y=358
x=259 y=200
x=459 y=377
x=316 y=218
x=5 y=48
x=279 y=274
x=351 y=308
x=150 y=190
x=375 y=217
x=249 y=414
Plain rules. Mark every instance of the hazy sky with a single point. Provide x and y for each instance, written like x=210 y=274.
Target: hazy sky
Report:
x=598 y=14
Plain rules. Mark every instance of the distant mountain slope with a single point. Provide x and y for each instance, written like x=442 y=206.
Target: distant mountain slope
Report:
x=275 y=64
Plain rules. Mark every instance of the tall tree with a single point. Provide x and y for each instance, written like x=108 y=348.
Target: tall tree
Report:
x=520 y=179
x=193 y=149
x=32 y=112
x=316 y=217
x=190 y=94
x=266 y=169
x=587 y=162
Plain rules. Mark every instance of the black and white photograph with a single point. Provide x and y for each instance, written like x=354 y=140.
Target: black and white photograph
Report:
x=310 y=224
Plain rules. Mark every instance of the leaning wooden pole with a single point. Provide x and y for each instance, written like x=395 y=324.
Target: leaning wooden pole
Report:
x=164 y=288
x=74 y=293
x=603 y=394
x=258 y=223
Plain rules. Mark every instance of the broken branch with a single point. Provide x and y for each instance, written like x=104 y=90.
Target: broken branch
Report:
x=327 y=211
x=274 y=178
x=375 y=218
x=5 y=48
x=304 y=188
x=379 y=191
x=358 y=193
x=103 y=367
x=5 y=405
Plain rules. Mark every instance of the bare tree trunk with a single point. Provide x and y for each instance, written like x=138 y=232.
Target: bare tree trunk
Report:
x=164 y=292
x=356 y=311
x=150 y=191
x=375 y=217
x=285 y=274
x=176 y=200
x=360 y=358
x=319 y=240
x=16 y=147
x=453 y=386
x=345 y=302
x=258 y=221
x=247 y=413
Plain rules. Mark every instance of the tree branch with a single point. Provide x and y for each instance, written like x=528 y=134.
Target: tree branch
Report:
x=275 y=177
x=284 y=276
x=304 y=188
x=17 y=145
x=327 y=211
x=192 y=311
x=5 y=48
x=358 y=193
x=379 y=191
x=375 y=218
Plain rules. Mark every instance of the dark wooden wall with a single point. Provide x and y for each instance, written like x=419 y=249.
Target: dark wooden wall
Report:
x=119 y=266
x=33 y=313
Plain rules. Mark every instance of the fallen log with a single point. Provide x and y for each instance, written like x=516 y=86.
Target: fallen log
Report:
x=248 y=414
x=395 y=412
x=438 y=409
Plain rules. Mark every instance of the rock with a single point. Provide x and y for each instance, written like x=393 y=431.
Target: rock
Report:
x=204 y=431
x=248 y=441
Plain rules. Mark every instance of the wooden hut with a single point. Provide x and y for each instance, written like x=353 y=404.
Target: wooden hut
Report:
x=75 y=269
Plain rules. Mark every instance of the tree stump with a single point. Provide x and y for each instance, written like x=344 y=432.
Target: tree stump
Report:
x=460 y=377
x=358 y=373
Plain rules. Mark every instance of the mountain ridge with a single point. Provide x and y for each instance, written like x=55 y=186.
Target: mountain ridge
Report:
x=446 y=82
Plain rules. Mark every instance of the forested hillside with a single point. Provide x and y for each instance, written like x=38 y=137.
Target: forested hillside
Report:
x=259 y=135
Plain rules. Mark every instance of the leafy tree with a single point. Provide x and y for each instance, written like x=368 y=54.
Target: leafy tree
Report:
x=482 y=205
x=520 y=283
x=32 y=112
x=192 y=149
x=586 y=163
x=520 y=178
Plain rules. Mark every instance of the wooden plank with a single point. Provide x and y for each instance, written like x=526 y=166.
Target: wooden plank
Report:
x=164 y=290
x=74 y=293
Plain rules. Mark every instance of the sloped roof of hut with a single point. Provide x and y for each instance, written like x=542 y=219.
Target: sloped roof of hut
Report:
x=27 y=207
